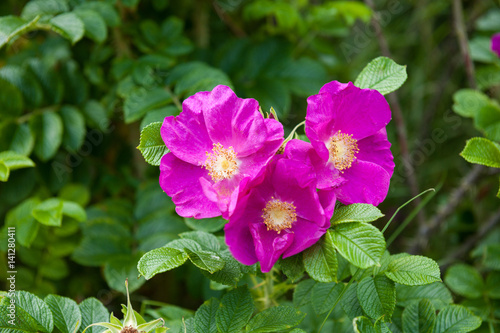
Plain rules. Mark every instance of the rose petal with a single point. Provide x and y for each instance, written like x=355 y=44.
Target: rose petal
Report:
x=305 y=234
x=181 y=181
x=366 y=182
x=269 y=245
x=376 y=149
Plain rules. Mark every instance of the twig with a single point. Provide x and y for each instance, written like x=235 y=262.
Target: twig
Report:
x=398 y=117
x=466 y=247
x=462 y=41
x=435 y=222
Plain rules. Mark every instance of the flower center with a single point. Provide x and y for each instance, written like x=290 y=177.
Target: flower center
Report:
x=221 y=162
x=342 y=148
x=279 y=215
x=129 y=329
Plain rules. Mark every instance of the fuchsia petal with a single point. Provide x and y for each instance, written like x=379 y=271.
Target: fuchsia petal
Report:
x=355 y=111
x=495 y=44
x=186 y=135
x=181 y=181
x=305 y=234
x=326 y=174
x=269 y=245
x=376 y=149
x=234 y=121
x=366 y=182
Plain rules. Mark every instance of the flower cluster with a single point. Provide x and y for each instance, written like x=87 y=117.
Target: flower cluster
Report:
x=227 y=159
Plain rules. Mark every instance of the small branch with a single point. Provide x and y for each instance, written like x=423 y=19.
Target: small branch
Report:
x=175 y=99
x=437 y=220
x=461 y=32
x=236 y=30
x=398 y=117
x=466 y=247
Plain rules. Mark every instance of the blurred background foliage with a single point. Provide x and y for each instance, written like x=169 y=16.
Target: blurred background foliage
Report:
x=79 y=79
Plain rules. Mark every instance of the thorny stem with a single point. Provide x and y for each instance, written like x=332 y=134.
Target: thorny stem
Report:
x=462 y=41
x=398 y=116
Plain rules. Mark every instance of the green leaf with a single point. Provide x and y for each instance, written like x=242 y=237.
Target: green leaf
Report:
x=382 y=74
x=48 y=129
x=468 y=102
x=11 y=99
x=361 y=244
x=235 y=310
x=356 y=213
x=66 y=313
x=230 y=274
x=74 y=128
x=151 y=144
x=96 y=115
x=493 y=285
x=140 y=101
x=16 y=137
x=207 y=225
x=206 y=240
x=377 y=296
x=23 y=220
x=487 y=116
x=13 y=26
x=204 y=318
x=325 y=295
x=44 y=8
x=413 y=271
x=464 y=280
x=95 y=26
x=419 y=317
x=274 y=319
x=293 y=267
x=480 y=50
x=482 y=151
x=160 y=260
x=302 y=292
x=68 y=25
x=49 y=212
x=350 y=303
x=49 y=78
x=320 y=260
x=116 y=271
x=363 y=325
x=32 y=314
x=436 y=293
x=14 y=161
x=206 y=260
x=106 y=10
x=26 y=83
x=4 y=172
x=74 y=210
x=456 y=318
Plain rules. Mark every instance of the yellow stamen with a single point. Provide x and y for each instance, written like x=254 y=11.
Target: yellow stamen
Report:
x=342 y=148
x=279 y=215
x=221 y=162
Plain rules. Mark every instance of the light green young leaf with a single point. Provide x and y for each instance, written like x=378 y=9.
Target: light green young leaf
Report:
x=320 y=260
x=151 y=144
x=482 y=151
x=160 y=260
x=413 y=271
x=4 y=171
x=21 y=217
x=13 y=160
x=68 y=25
x=356 y=213
x=361 y=244
x=419 y=317
x=49 y=212
x=464 y=280
x=74 y=210
x=48 y=129
x=204 y=318
x=66 y=313
x=236 y=308
x=382 y=74
x=468 y=102
x=92 y=311
x=377 y=296
x=13 y=26
x=456 y=318
x=325 y=295
x=274 y=319
x=206 y=260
